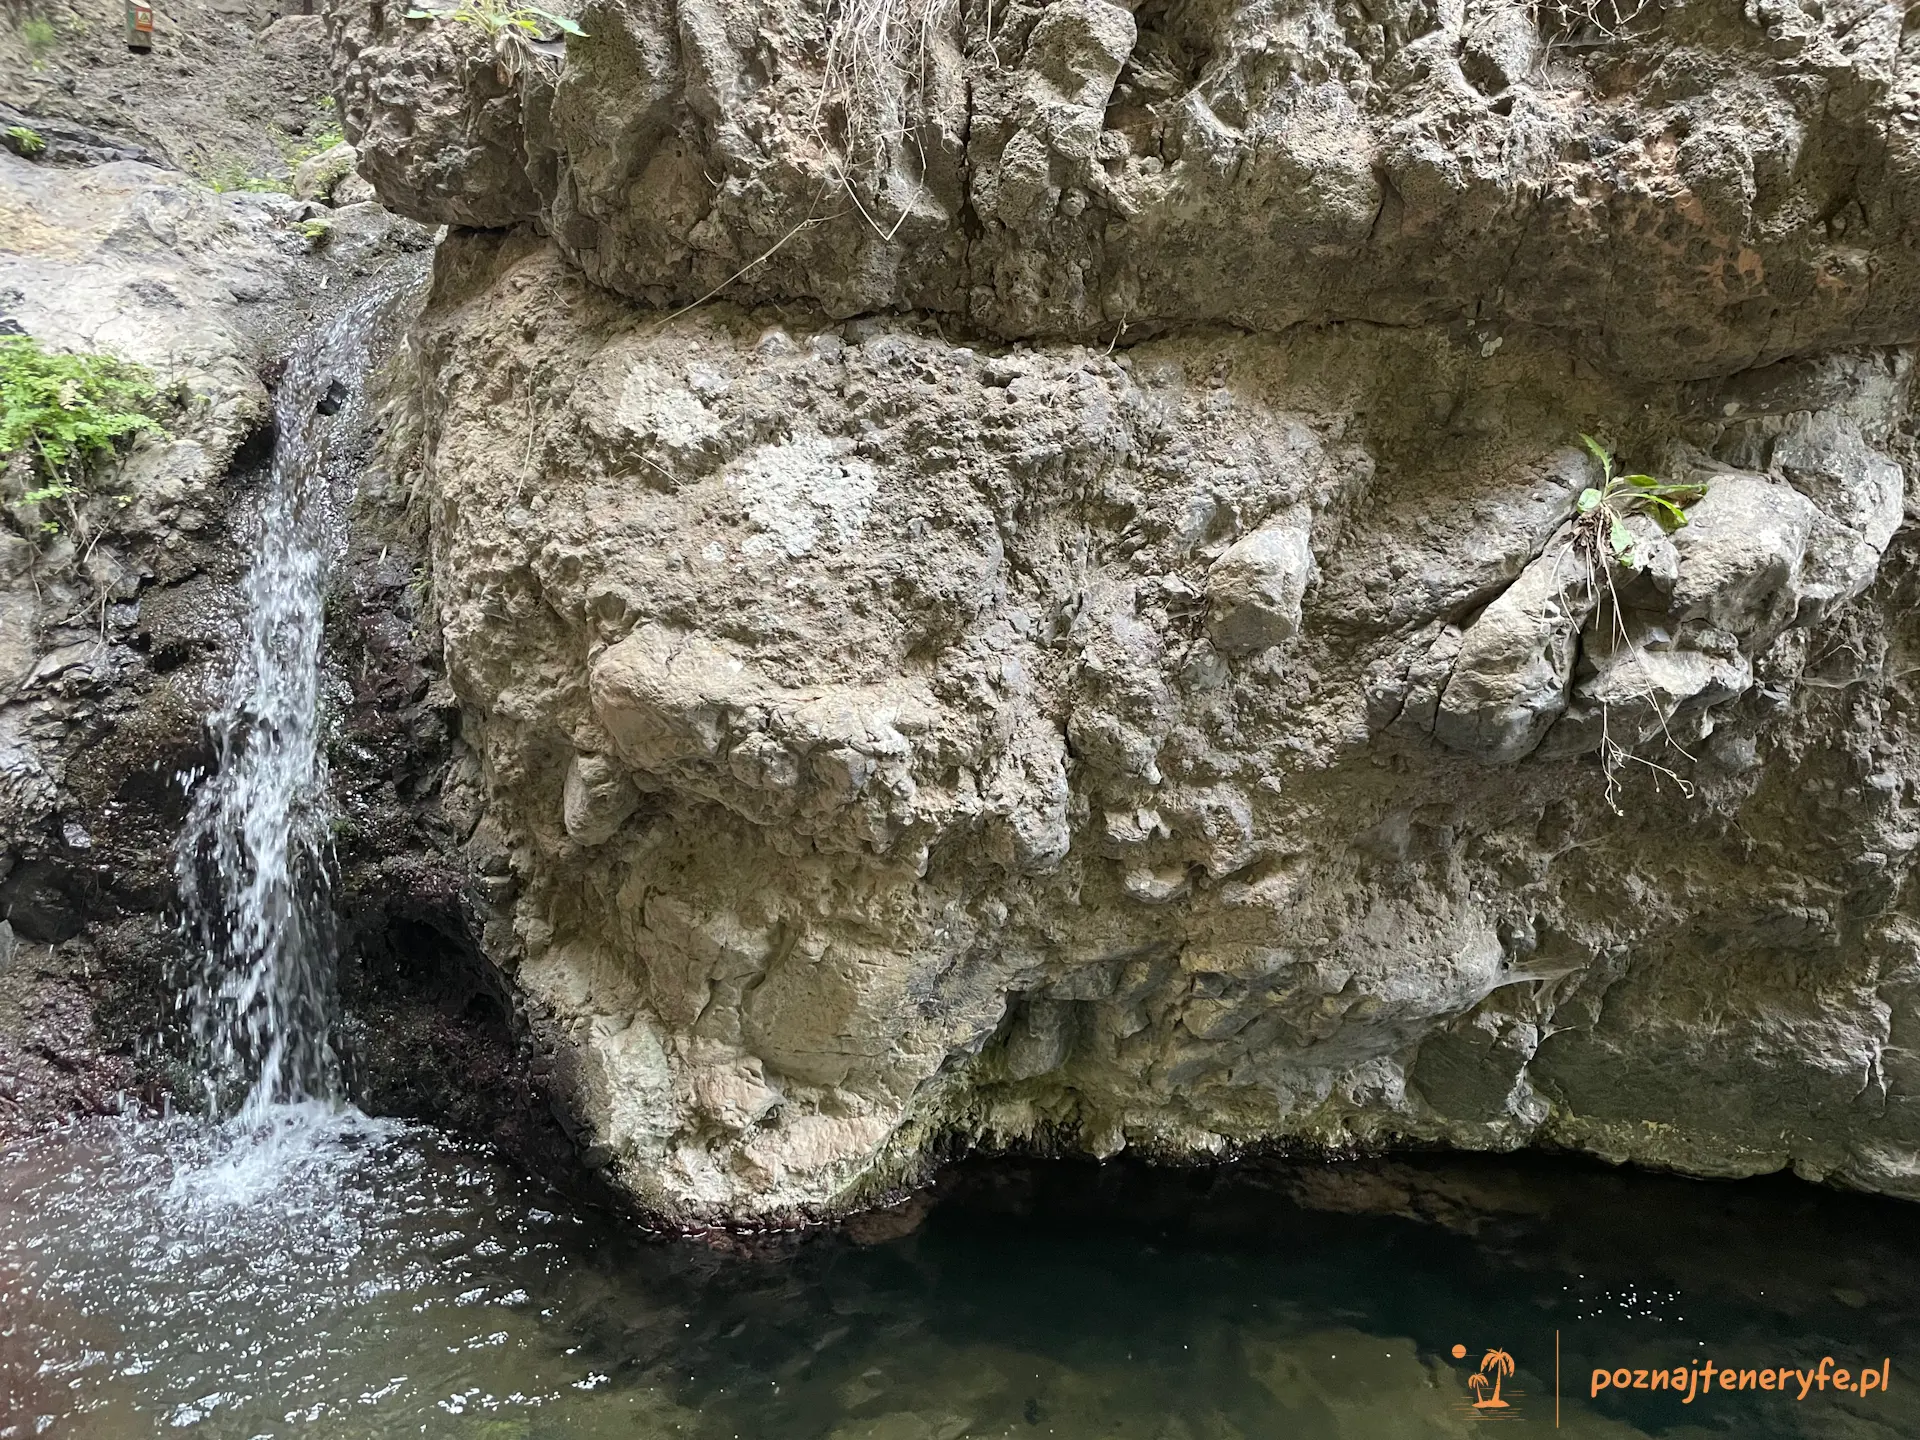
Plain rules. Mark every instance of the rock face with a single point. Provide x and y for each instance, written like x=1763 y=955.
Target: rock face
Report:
x=229 y=91
x=113 y=612
x=1052 y=716
x=1723 y=184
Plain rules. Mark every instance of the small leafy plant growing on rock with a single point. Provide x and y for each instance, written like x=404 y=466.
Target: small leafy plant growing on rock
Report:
x=60 y=415
x=495 y=17
x=1606 y=545
x=517 y=31
x=27 y=143
x=1601 y=531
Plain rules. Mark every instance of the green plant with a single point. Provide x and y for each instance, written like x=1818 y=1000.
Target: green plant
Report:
x=517 y=31
x=297 y=149
x=25 y=142
x=1606 y=545
x=498 y=17
x=67 y=412
x=228 y=176
x=315 y=232
x=39 y=36
x=1601 y=531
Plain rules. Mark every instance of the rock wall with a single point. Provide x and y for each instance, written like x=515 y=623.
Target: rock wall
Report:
x=115 y=612
x=1089 y=641
x=1719 y=185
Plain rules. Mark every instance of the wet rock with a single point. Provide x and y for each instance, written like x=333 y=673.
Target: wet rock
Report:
x=36 y=903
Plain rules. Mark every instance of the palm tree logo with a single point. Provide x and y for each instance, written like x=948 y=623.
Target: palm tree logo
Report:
x=1499 y=1364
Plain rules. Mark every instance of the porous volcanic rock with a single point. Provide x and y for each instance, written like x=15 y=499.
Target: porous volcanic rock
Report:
x=1689 y=191
x=862 y=767
x=1040 y=595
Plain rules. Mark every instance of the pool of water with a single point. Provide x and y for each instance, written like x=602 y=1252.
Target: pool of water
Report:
x=337 y=1276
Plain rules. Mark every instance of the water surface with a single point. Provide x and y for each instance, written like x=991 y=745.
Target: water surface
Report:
x=329 y=1275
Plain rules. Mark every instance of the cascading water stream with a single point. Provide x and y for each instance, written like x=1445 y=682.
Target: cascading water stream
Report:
x=251 y=860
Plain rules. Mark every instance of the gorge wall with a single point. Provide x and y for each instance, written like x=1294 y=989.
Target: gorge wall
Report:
x=1030 y=590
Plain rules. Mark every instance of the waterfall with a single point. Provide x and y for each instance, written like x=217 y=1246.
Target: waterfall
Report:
x=251 y=861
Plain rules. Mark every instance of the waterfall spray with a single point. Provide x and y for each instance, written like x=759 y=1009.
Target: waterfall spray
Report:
x=252 y=859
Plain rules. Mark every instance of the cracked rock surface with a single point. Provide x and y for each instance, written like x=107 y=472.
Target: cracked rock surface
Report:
x=880 y=752
x=1089 y=641
x=1719 y=185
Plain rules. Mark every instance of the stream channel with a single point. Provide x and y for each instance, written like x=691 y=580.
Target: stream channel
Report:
x=282 y=1265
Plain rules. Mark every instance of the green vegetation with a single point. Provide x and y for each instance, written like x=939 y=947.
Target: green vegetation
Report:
x=501 y=18
x=40 y=37
x=1605 y=544
x=227 y=176
x=66 y=413
x=295 y=149
x=316 y=232
x=28 y=144
x=317 y=144
x=515 y=31
x=1601 y=531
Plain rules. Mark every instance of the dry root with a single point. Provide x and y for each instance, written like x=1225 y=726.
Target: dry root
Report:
x=1586 y=21
x=876 y=64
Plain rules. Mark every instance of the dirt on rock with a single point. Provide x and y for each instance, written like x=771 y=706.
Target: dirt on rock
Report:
x=235 y=92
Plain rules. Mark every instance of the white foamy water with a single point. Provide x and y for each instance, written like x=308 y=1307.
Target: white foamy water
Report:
x=277 y=1156
x=252 y=858
x=321 y=1274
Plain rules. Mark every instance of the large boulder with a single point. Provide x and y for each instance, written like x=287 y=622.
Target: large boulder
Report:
x=1177 y=748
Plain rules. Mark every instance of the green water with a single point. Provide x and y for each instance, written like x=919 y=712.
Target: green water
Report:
x=348 y=1278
